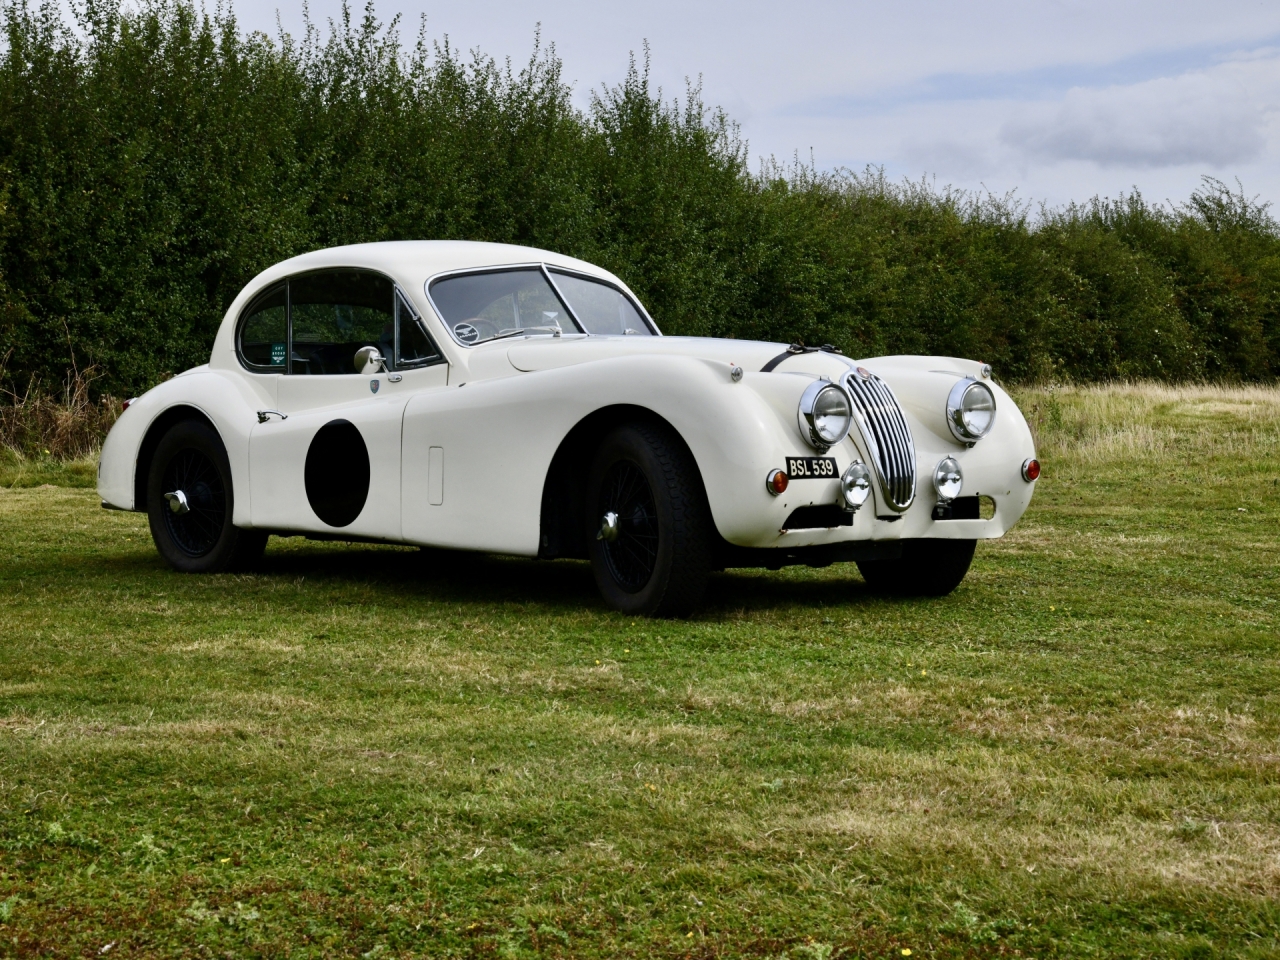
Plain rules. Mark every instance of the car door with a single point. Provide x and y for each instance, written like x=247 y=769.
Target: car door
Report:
x=449 y=497
x=327 y=459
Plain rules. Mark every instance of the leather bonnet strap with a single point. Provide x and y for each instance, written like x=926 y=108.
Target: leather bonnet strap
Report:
x=794 y=350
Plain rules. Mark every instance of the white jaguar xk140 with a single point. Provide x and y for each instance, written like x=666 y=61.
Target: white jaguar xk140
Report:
x=485 y=397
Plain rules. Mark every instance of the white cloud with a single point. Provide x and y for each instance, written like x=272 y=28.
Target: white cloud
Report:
x=1215 y=117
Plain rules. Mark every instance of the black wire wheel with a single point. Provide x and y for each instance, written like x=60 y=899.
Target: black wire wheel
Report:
x=196 y=500
x=649 y=530
x=629 y=526
x=190 y=502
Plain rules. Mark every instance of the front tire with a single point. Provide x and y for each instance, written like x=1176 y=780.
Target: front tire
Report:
x=192 y=526
x=927 y=568
x=654 y=557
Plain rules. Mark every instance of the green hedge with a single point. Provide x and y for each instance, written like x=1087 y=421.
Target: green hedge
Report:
x=151 y=162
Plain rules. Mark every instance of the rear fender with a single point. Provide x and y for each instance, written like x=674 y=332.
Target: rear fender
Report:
x=227 y=401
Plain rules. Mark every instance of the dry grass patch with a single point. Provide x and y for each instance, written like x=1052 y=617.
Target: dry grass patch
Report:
x=1143 y=422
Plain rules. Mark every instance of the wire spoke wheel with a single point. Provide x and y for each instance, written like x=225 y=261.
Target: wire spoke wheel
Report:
x=632 y=555
x=190 y=500
x=648 y=529
x=197 y=530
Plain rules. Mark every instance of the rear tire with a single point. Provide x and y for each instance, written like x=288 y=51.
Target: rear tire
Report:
x=659 y=561
x=191 y=458
x=927 y=568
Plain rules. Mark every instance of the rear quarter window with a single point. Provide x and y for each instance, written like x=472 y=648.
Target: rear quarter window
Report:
x=262 y=341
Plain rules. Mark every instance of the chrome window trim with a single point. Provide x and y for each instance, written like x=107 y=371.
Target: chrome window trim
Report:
x=402 y=297
x=555 y=287
x=547 y=270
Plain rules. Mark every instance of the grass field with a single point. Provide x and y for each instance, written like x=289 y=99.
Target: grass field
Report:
x=365 y=751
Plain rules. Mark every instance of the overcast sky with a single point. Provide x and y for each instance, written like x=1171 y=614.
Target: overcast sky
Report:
x=1058 y=100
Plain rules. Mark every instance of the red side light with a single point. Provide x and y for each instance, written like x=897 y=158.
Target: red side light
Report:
x=776 y=482
x=128 y=403
x=1031 y=470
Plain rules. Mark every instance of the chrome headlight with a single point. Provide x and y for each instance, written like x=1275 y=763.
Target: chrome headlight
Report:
x=947 y=479
x=855 y=484
x=825 y=414
x=971 y=410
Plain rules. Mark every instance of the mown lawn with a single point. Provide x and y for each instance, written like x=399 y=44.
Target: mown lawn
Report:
x=370 y=751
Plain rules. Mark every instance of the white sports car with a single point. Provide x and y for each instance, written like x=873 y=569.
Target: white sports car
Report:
x=486 y=397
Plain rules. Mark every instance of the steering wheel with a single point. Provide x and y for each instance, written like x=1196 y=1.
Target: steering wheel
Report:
x=475 y=329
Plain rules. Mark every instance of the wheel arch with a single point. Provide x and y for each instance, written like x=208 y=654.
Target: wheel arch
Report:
x=151 y=440
x=564 y=492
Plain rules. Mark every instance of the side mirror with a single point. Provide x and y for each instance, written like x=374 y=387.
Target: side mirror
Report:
x=369 y=360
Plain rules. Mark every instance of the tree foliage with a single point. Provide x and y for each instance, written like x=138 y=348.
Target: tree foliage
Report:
x=153 y=159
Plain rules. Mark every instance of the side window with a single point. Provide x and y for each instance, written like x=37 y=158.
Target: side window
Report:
x=602 y=309
x=413 y=347
x=336 y=312
x=264 y=332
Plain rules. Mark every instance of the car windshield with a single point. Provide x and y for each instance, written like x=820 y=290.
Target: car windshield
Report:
x=601 y=308
x=507 y=303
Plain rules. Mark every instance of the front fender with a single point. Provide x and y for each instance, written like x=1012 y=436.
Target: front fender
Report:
x=497 y=439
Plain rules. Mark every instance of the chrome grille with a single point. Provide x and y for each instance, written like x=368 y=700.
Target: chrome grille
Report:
x=887 y=435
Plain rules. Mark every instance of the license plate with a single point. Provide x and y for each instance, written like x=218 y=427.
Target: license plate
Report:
x=811 y=468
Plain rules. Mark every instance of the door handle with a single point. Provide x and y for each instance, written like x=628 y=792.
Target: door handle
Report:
x=264 y=415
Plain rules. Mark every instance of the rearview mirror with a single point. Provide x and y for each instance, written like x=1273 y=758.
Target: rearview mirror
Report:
x=369 y=360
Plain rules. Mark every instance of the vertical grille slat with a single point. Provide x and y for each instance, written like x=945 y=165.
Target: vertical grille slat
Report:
x=903 y=447
x=888 y=453
x=888 y=437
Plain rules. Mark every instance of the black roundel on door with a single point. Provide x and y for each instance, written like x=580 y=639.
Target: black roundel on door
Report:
x=337 y=473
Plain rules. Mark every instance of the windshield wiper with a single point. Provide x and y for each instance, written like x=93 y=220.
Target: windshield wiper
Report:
x=552 y=331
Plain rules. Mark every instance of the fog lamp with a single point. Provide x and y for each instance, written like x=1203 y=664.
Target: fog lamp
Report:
x=855 y=485
x=947 y=479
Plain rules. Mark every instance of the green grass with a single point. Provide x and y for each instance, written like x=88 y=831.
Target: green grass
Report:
x=368 y=751
x=17 y=471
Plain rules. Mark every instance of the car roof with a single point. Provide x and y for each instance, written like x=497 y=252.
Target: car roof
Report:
x=412 y=262
x=409 y=262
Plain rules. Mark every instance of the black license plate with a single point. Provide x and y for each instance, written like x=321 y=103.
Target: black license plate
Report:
x=811 y=468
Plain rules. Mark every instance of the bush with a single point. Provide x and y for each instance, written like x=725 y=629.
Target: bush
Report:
x=39 y=425
x=153 y=160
